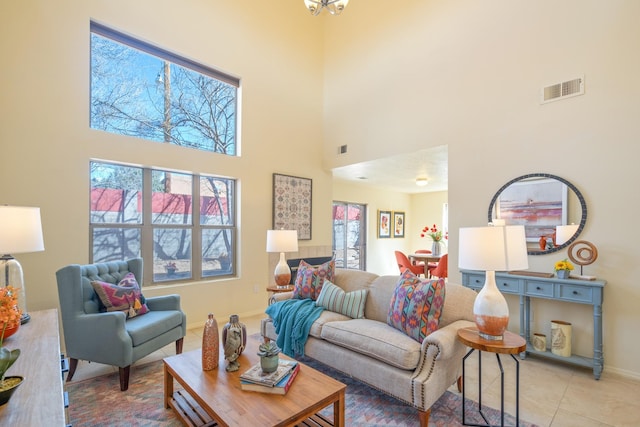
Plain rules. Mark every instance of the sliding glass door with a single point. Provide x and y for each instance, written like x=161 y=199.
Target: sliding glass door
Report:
x=349 y=235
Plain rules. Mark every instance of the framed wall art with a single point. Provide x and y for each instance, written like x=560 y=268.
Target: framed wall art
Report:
x=384 y=224
x=540 y=205
x=292 y=204
x=398 y=224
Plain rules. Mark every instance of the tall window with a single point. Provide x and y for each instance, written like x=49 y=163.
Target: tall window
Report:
x=150 y=213
x=140 y=90
x=349 y=235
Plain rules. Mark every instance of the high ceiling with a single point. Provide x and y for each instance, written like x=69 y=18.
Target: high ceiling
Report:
x=399 y=173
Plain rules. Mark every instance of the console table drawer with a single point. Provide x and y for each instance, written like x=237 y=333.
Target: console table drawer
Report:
x=475 y=281
x=576 y=293
x=539 y=289
x=507 y=285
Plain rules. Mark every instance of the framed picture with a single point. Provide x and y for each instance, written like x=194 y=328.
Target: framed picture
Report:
x=540 y=205
x=384 y=224
x=398 y=224
x=292 y=204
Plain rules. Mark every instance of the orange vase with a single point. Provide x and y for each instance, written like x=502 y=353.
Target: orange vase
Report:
x=10 y=330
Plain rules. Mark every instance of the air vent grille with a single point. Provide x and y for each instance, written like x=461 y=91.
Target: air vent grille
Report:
x=563 y=90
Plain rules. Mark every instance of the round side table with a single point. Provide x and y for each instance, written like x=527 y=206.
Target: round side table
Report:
x=511 y=344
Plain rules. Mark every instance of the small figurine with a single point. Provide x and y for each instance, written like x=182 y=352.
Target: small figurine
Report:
x=231 y=349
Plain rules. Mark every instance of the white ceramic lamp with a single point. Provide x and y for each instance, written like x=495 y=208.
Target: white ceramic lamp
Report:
x=20 y=232
x=282 y=241
x=492 y=249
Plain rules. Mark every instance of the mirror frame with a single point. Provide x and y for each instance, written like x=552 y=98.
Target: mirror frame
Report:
x=583 y=204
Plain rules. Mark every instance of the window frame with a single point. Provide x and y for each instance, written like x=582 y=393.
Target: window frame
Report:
x=147 y=226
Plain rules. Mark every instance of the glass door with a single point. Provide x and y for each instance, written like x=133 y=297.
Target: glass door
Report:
x=349 y=235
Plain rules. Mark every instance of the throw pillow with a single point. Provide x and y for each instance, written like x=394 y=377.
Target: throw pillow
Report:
x=416 y=305
x=309 y=279
x=125 y=296
x=333 y=298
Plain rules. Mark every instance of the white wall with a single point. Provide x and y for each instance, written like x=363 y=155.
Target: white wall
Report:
x=468 y=74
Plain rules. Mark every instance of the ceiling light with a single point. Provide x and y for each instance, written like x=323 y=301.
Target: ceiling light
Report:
x=335 y=7
x=421 y=182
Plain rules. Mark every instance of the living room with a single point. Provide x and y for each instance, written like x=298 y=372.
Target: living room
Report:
x=383 y=80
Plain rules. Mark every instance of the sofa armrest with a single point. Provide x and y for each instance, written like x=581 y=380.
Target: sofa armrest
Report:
x=280 y=296
x=444 y=340
x=164 y=302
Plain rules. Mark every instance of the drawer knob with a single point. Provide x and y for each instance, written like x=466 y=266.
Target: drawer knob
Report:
x=575 y=292
x=537 y=288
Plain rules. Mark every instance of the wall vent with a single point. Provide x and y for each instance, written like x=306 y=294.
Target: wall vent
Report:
x=342 y=149
x=562 y=90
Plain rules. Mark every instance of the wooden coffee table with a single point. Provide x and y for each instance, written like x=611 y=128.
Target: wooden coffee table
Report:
x=214 y=398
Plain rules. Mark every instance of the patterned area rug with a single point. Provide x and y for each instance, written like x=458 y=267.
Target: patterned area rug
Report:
x=99 y=402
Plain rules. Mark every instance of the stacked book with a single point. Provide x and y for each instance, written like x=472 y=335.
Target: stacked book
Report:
x=277 y=382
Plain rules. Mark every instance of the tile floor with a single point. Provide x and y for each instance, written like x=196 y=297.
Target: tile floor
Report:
x=551 y=394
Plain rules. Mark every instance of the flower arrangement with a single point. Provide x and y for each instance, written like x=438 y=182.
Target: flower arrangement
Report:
x=563 y=265
x=433 y=232
x=171 y=266
x=9 y=318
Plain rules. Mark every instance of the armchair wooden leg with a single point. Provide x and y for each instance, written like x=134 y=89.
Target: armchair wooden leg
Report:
x=124 y=378
x=424 y=417
x=179 y=345
x=459 y=381
x=73 y=364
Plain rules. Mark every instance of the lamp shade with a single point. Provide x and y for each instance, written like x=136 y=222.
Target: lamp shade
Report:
x=565 y=232
x=20 y=230
x=493 y=248
x=282 y=240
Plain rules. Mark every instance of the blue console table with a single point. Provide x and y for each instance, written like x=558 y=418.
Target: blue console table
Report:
x=565 y=290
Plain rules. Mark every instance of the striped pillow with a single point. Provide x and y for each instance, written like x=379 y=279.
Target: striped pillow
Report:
x=335 y=299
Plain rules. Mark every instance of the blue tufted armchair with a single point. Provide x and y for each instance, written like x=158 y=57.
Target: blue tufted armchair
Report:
x=109 y=337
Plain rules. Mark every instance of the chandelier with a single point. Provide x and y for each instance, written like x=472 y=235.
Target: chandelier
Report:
x=335 y=7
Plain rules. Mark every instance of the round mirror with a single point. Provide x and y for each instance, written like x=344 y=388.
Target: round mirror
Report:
x=541 y=202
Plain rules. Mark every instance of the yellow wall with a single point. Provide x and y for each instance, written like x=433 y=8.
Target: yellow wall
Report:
x=468 y=74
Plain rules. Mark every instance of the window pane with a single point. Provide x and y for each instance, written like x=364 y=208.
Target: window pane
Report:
x=217 y=252
x=216 y=201
x=115 y=194
x=171 y=254
x=115 y=244
x=149 y=96
x=171 y=200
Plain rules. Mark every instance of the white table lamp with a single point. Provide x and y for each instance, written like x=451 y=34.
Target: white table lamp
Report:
x=20 y=232
x=492 y=249
x=282 y=241
x=564 y=233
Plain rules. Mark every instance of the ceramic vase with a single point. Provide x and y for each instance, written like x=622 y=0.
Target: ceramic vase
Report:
x=561 y=338
x=435 y=249
x=210 y=344
x=539 y=342
x=234 y=322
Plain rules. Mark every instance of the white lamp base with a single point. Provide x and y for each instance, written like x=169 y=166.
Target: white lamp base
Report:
x=490 y=310
x=282 y=273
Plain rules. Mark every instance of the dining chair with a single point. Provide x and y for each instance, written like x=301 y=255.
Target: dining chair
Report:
x=441 y=270
x=404 y=263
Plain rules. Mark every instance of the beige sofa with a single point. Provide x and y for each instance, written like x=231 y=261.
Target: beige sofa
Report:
x=383 y=357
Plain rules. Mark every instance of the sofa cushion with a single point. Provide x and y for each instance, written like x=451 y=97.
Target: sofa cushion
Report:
x=374 y=339
x=125 y=296
x=326 y=317
x=348 y=303
x=309 y=279
x=416 y=305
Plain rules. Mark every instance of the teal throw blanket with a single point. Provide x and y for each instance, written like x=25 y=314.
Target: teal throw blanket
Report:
x=292 y=319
